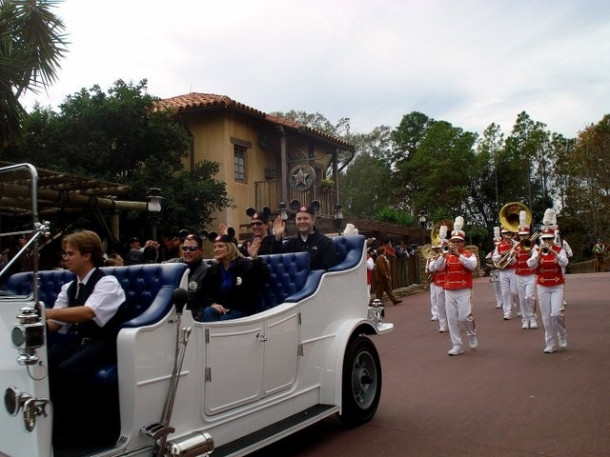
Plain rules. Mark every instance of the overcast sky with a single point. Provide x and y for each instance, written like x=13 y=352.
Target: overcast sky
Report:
x=469 y=63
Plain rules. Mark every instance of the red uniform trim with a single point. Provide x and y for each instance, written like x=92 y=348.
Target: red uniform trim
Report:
x=438 y=278
x=521 y=267
x=503 y=248
x=458 y=276
x=549 y=270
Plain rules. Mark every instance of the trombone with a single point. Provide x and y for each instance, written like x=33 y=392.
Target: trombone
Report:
x=526 y=243
x=506 y=259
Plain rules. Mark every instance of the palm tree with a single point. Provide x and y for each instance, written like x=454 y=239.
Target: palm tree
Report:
x=31 y=44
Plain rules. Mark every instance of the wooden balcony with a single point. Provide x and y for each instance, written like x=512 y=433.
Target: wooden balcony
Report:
x=267 y=194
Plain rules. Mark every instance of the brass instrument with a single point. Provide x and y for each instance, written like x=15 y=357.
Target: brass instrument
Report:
x=426 y=252
x=509 y=216
x=526 y=243
x=506 y=259
x=545 y=247
x=434 y=233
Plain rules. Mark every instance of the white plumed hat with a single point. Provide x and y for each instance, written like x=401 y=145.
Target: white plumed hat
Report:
x=458 y=233
x=442 y=232
x=548 y=222
x=523 y=227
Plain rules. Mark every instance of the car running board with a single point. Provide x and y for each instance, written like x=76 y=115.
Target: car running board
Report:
x=276 y=432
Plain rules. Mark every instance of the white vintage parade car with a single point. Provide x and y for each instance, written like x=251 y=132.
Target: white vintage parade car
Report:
x=186 y=388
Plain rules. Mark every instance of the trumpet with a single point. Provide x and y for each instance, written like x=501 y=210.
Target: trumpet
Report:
x=446 y=249
x=545 y=247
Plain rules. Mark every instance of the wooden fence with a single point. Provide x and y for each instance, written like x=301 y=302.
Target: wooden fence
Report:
x=590 y=266
x=407 y=271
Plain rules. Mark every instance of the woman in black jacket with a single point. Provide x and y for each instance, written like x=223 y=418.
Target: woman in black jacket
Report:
x=233 y=285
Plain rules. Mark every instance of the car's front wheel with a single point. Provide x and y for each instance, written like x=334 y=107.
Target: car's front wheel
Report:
x=361 y=381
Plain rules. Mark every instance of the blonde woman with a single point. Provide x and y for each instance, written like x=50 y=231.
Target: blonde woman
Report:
x=234 y=284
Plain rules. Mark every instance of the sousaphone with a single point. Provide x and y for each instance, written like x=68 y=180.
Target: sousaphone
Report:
x=434 y=233
x=509 y=216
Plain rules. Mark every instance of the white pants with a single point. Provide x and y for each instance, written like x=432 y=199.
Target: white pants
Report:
x=498 y=290
x=550 y=300
x=437 y=304
x=459 y=312
x=527 y=299
x=510 y=292
x=495 y=279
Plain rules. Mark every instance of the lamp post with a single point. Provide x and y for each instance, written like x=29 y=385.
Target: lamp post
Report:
x=154 y=208
x=422 y=224
x=282 y=211
x=338 y=216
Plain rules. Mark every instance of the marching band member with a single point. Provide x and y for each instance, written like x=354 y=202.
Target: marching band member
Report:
x=526 y=277
x=437 y=293
x=494 y=272
x=436 y=251
x=458 y=265
x=508 y=279
x=549 y=261
x=559 y=241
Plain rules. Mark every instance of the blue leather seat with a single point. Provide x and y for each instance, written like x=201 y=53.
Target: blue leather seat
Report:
x=349 y=251
x=288 y=275
x=148 y=290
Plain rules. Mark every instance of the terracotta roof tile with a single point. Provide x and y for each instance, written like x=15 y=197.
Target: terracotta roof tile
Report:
x=194 y=101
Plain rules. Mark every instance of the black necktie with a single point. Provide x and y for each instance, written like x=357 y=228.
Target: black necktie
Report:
x=80 y=290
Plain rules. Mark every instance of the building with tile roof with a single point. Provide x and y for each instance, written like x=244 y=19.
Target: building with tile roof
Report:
x=264 y=160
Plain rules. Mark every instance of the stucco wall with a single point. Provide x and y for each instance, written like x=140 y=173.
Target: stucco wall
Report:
x=212 y=133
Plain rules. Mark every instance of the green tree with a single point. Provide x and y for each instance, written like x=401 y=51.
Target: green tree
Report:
x=31 y=45
x=588 y=195
x=485 y=193
x=408 y=136
x=524 y=164
x=369 y=184
x=438 y=172
x=119 y=137
x=364 y=186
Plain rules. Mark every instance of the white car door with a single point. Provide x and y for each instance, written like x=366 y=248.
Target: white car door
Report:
x=248 y=360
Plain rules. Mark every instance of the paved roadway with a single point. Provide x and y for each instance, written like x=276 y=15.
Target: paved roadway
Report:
x=506 y=399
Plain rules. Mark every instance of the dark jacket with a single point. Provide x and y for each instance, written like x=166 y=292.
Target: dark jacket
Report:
x=247 y=280
x=267 y=246
x=322 y=252
x=196 y=295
